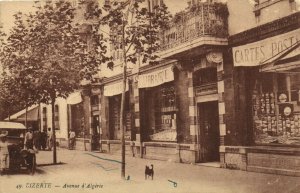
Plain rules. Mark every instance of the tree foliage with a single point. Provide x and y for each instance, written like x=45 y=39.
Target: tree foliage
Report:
x=10 y=102
x=142 y=28
x=49 y=54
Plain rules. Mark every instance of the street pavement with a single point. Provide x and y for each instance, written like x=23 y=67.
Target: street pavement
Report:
x=82 y=171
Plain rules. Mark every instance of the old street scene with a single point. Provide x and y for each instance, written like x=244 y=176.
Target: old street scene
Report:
x=192 y=96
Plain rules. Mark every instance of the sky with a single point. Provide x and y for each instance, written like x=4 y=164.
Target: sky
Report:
x=9 y=8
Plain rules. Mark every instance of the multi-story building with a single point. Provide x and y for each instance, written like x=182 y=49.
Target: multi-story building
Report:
x=263 y=117
x=225 y=91
x=170 y=105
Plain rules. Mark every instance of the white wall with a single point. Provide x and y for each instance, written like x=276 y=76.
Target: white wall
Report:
x=63 y=117
x=242 y=15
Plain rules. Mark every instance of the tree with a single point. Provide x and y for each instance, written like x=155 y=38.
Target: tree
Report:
x=57 y=54
x=17 y=69
x=9 y=98
x=140 y=35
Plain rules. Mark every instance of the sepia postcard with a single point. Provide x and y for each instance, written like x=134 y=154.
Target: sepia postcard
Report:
x=150 y=96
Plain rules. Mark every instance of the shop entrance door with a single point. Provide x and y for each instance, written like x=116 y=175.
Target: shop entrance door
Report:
x=95 y=133
x=114 y=117
x=209 y=137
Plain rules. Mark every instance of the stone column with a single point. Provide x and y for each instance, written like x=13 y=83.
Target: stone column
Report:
x=194 y=131
x=222 y=124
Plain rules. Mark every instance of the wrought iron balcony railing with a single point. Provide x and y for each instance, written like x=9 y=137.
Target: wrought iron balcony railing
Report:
x=204 y=19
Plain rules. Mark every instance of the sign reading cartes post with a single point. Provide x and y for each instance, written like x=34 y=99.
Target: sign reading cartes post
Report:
x=256 y=53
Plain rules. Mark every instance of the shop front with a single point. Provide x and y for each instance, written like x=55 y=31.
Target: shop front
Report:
x=159 y=112
x=110 y=117
x=206 y=98
x=273 y=106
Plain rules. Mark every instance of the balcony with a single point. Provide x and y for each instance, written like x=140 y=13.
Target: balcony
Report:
x=202 y=24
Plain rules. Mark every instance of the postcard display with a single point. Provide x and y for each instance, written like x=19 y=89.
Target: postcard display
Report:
x=165 y=115
x=272 y=127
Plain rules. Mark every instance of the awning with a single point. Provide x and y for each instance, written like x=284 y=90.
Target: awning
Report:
x=32 y=115
x=74 y=98
x=114 y=88
x=11 y=125
x=156 y=78
x=32 y=110
x=285 y=61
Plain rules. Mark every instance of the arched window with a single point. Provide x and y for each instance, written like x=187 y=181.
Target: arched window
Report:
x=44 y=117
x=56 y=117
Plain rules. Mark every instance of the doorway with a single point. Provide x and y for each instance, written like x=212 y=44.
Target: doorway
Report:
x=95 y=133
x=209 y=137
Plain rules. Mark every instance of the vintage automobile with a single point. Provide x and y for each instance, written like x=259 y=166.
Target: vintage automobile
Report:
x=18 y=157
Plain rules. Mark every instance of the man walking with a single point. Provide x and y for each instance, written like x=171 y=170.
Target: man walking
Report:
x=72 y=139
x=49 y=139
x=28 y=140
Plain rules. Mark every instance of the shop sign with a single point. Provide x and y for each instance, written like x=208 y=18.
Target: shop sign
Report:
x=156 y=78
x=114 y=89
x=257 y=53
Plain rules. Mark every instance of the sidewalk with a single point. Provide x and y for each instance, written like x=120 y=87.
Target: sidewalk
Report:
x=189 y=178
x=84 y=168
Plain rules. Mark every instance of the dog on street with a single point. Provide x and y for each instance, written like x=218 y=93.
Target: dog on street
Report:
x=149 y=172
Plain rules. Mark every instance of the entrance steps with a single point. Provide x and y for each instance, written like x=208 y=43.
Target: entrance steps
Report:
x=210 y=164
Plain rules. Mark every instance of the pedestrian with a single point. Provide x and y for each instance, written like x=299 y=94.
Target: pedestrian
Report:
x=72 y=136
x=49 y=139
x=37 y=139
x=4 y=154
x=28 y=140
x=44 y=139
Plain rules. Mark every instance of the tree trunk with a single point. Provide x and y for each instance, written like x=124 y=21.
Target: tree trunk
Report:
x=26 y=110
x=8 y=114
x=53 y=131
x=122 y=128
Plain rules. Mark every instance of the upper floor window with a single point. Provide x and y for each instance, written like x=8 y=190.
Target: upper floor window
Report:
x=94 y=100
x=44 y=117
x=205 y=76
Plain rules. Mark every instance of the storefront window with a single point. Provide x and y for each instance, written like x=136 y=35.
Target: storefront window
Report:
x=165 y=112
x=77 y=121
x=114 y=117
x=276 y=109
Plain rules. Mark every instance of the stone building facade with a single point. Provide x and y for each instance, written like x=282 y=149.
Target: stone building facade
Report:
x=225 y=91
x=264 y=55
x=174 y=110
